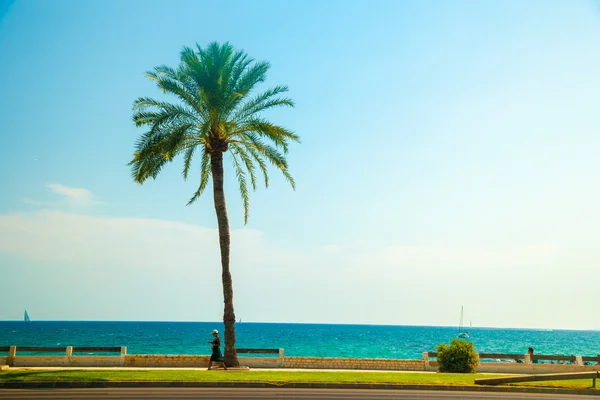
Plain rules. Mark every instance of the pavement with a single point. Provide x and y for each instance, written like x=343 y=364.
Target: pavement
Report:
x=232 y=369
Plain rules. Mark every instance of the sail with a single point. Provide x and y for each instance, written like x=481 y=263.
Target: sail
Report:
x=26 y=317
x=462 y=333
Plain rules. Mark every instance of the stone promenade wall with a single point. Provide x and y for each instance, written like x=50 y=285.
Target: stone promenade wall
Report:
x=354 y=363
x=165 y=360
x=192 y=361
x=201 y=361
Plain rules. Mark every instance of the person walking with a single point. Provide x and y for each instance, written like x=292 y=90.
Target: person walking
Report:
x=216 y=355
x=530 y=352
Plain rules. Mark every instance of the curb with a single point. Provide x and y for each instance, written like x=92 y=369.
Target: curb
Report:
x=296 y=385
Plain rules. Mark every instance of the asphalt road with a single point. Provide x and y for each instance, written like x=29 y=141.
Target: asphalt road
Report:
x=280 y=394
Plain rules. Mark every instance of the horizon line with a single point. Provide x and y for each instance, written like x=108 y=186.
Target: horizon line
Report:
x=312 y=323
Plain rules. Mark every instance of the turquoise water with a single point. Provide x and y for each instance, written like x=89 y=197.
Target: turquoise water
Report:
x=318 y=340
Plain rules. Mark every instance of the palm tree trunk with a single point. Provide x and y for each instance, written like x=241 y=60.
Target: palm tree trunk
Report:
x=216 y=161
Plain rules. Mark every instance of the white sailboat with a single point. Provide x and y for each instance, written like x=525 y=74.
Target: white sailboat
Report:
x=462 y=333
x=26 y=317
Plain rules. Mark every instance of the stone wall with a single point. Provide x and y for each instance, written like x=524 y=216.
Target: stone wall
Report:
x=354 y=363
x=192 y=361
x=201 y=361
x=165 y=360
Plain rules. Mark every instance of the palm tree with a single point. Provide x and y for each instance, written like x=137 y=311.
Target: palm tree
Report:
x=215 y=113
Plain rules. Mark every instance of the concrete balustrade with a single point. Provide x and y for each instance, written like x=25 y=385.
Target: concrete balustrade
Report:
x=124 y=359
x=68 y=360
x=281 y=361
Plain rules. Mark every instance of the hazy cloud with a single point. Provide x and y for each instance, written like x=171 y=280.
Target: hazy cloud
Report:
x=328 y=283
x=74 y=196
x=152 y=243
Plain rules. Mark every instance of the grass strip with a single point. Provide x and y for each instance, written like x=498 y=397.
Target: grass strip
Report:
x=275 y=377
x=278 y=377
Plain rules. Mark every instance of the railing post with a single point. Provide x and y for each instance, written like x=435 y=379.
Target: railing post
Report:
x=123 y=354
x=12 y=352
x=281 y=358
x=69 y=354
x=425 y=361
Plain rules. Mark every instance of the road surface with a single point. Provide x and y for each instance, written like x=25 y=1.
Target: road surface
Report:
x=260 y=394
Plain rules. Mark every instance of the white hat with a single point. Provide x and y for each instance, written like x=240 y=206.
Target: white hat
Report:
x=215 y=331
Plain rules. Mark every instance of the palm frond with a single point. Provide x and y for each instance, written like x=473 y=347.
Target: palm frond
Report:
x=155 y=148
x=263 y=102
x=260 y=163
x=271 y=154
x=148 y=111
x=148 y=167
x=251 y=76
x=289 y=178
x=216 y=110
x=241 y=176
x=189 y=154
x=238 y=64
x=180 y=87
x=239 y=150
x=147 y=161
x=204 y=176
x=266 y=129
x=166 y=71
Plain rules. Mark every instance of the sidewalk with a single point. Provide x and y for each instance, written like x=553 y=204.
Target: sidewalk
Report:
x=220 y=369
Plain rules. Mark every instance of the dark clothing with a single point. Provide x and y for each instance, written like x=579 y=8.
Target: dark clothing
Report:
x=216 y=351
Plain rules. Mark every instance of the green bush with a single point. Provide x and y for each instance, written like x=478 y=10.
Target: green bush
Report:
x=459 y=357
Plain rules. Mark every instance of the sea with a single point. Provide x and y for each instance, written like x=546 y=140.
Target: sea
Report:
x=315 y=340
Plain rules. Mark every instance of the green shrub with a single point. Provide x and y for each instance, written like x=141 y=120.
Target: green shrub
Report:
x=459 y=357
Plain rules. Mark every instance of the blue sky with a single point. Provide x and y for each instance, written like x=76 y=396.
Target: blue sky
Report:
x=448 y=158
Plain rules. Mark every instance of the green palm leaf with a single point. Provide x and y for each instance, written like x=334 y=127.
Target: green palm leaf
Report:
x=215 y=110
